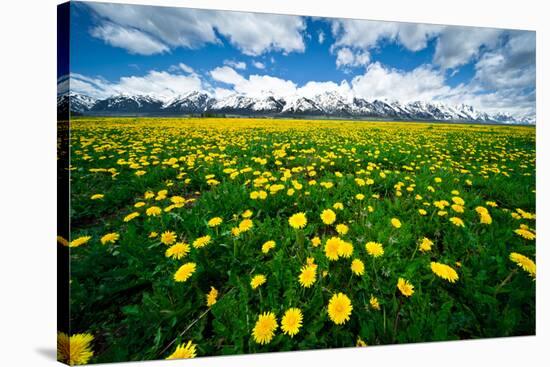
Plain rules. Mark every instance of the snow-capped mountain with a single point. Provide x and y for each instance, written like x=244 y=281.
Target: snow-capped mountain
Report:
x=328 y=104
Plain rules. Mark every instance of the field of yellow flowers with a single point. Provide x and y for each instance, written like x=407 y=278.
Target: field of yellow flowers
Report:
x=200 y=237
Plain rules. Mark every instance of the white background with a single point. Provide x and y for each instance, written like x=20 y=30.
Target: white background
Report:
x=28 y=182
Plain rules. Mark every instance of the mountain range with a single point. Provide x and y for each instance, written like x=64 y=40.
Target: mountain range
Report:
x=328 y=104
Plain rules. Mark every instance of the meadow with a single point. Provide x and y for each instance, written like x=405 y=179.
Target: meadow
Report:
x=201 y=237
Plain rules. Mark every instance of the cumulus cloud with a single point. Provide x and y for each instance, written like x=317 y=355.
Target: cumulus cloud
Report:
x=241 y=65
x=345 y=57
x=161 y=84
x=258 y=65
x=132 y=40
x=166 y=28
x=457 y=46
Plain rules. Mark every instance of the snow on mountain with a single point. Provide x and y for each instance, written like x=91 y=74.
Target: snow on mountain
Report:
x=327 y=104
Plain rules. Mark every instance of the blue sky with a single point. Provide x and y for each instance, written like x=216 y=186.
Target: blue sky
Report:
x=170 y=51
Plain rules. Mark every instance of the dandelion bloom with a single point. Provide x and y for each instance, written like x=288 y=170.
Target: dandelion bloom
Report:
x=357 y=267
x=214 y=222
x=257 y=281
x=184 y=351
x=360 y=197
x=131 y=216
x=268 y=246
x=80 y=241
x=110 y=238
x=422 y=212
x=444 y=271
x=342 y=229
x=153 y=234
x=458 y=200
x=360 y=342
x=153 y=211
x=202 y=241
x=307 y=275
x=74 y=350
x=298 y=220
x=168 y=237
x=265 y=327
x=328 y=216
x=485 y=218
x=457 y=221
x=211 y=297
x=97 y=196
x=178 y=250
x=374 y=249
x=315 y=241
x=524 y=262
x=406 y=288
x=396 y=223
x=247 y=213
x=425 y=244
x=291 y=321
x=374 y=303
x=339 y=308
x=338 y=206
x=184 y=272
x=331 y=248
x=235 y=231
x=245 y=225
x=528 y=235
x=345 y=249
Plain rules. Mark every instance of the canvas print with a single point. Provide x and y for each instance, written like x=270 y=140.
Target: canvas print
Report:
x=239 y=183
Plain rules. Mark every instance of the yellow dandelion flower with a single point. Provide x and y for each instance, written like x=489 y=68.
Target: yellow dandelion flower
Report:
x=80 y=241
x=178 y=251
x=153 y=234
x=291 y=321
x=339 y=308
x=328 y=216
x=331 y=248
x=184 y=351
x=457 y=221
x=345 y=249
x=268 y=246
x=214 y=222
x=97 y=196
x=485 y=218
x=357 y=267
x=406 y=288
x=396 y=223
x=110 y=238
x=168 y=237
x=74 y=349
x=153 y=211
x=338 y=206
x=202 y=241
x=360 y=197
x=458 y=200
x=235 y=231
x=298 y=220
x=211 y=297
x=360 y=343
x=245 y=225
x=481 y=210
x=265 y=327
x=457 y=208
x=425 y=244
x=257 y=281
x=444 y=271
x=308 y=275
x=139 y=204
x=184 y=272
x=422 y=212
x=315 y=241
x=374 y=303
x=342 y=229
x=525 y=263
x=247 y=213
x=63 y=241
x=375 y=249
x=131 y=216
x=528 y=235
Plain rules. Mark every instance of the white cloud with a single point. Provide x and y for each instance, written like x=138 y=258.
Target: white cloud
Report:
x=252 y=33
x=321 y=37
x=134 y=41
x=345 y=57
x=379 y=82
x=241 y=65
x=365 y=34
x=186 y=68
x=311 y=89
x=161 y=84
x=456 y=46
x=227 y=75
x=258 y=65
